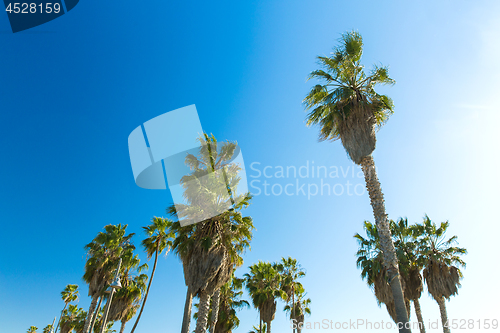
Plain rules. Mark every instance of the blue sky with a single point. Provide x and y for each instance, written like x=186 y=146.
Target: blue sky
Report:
x=72 y=90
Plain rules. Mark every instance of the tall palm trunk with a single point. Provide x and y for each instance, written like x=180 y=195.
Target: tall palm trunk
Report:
x=444 y=315
x=215 y=310
x=96 y=312
x=86 y=327
x=149 y=286
x=204 y=307
x=187 y=311
x=268 y=324
x=418 y=311
x=386 y=244
x=122 y=327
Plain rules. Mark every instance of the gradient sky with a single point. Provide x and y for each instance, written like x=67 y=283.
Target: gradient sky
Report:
x=72 y=90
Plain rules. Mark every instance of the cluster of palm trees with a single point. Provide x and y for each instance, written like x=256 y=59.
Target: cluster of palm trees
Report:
x=210 y=252
x=424 y=255
x=346 y=106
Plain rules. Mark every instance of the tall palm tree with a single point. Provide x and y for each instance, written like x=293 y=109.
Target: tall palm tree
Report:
x=440 y=260
x=68 y=295
x=346 y=107
x=159 y=239
x=369 y=260
x=291 y=271
x=103 y=254
x=32 y=329
x=212 y=248
x=263 y=283
x=410 y=263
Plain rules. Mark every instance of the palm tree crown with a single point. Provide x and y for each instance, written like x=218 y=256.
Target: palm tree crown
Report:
x=345 y=104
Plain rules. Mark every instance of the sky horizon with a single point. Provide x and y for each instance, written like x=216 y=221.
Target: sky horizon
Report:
x=73 y=89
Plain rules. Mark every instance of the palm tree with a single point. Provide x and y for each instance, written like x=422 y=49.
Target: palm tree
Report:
x=156 y=243
x=212 y=248
x=373 y=271
x=68 y=295
x=298 y=311
x=346 y=107
x=260 y=329
x=32 y=329
x=410 y=264
x=127 y=299
x=102 y=260
x=440 y=261
x=229 y=304
x=48 y=329
x=71 y=318
x=291 y=271
x=263 y=284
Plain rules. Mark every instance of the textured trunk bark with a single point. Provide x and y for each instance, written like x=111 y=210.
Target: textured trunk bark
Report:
x=90 y=314
x=187 y=311
x=268 y=324
x=418 y=311
x=147 y=290
x=444 y=315
x=122 y=327
x=203 y=308
x=386 y=244
x=96 y=312
x=215 y=310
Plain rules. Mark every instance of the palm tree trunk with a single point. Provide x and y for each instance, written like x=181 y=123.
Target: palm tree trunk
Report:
x=98 y=307
x=386 y=243
x=215 y=310
x=65 y=305
x=187 y=311
x=444 y=315
x=418 y=311
x=90 y=314
x=149 y=286
x=203 y=308
x=268 y=327
x=122 y=327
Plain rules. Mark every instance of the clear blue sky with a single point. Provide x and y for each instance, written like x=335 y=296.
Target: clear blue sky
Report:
x=73 y=89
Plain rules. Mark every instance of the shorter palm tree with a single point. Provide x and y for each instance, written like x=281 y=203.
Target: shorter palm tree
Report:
x=440 y=259
x=373 y=271
x=290 y=271
x=48 y=329
x=299 y=310
x=71 y=318
x=159 y=239
x=68 y=295
x=260 y=329
x=264 y=286
x=32 y=329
